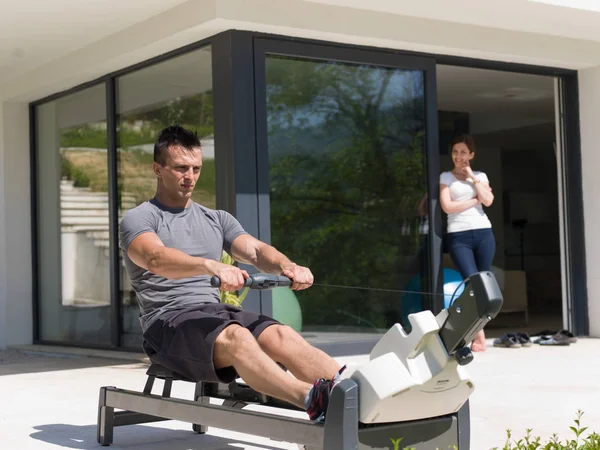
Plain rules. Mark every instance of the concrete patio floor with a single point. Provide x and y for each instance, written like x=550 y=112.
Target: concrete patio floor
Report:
x=50 y=397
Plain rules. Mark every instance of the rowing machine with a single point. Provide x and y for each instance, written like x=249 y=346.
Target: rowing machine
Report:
x=414 y=390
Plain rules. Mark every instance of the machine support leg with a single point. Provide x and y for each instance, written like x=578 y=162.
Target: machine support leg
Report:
x=106 y=415
x=199 y=396
x=464 y=427
x=341 y=423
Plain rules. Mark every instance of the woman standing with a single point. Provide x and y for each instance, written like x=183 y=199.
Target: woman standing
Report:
x=463 y=193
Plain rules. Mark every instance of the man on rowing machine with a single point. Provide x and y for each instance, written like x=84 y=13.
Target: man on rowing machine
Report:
x=171 y=248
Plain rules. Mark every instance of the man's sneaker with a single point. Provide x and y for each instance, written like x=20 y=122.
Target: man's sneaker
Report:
x=319 y=396
x=319 y=399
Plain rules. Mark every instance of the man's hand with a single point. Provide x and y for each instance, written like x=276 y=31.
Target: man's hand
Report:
x=232 y=277
x=302 y=276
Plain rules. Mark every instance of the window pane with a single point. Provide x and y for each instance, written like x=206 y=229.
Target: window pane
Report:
x=177 y=91
x=73 y=218
x=347 y=178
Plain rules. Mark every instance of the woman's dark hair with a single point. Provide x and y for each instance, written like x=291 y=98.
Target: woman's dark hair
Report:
x=466 y=139
x=176 y=136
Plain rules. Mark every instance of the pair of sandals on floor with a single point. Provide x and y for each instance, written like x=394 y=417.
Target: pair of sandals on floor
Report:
x=546 y=337
x=513 y=340
x=549 y=337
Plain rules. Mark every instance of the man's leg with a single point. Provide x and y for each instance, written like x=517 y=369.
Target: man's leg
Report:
x=235 y=346
x=307 y=363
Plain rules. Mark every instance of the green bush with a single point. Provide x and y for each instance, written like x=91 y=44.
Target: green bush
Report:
x=80 y=178
x=66 y=167
x=85 y=137
x=71 y=172
x=529 y=442
x=90 y=137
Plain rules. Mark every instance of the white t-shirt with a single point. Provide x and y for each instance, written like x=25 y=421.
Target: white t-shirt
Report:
x=472 y=218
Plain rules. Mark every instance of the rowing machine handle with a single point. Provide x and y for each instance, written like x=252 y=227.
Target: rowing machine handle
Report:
x=261 y=281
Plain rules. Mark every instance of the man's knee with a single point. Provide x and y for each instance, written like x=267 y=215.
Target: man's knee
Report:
x=232 y=344
x=277 y=338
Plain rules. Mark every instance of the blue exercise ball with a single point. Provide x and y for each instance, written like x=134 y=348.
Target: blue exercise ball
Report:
x=412 y=301
x=452 y=281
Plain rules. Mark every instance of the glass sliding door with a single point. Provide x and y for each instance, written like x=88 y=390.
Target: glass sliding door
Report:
x=176 y=91
x=73 y=219
x=344 y=145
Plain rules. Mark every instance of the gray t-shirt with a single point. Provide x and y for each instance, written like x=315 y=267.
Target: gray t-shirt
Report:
x=195 y=230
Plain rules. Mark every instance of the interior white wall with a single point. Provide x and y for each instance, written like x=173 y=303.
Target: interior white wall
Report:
x=16 y=312
x=589 y=105
x=529 y=191
x=488 y=123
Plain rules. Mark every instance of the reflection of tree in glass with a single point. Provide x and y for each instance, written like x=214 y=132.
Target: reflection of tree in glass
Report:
x=346 y=172
x=194 y=112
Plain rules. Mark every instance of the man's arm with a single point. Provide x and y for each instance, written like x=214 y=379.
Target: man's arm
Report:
x=149 y=252
x=267 y=258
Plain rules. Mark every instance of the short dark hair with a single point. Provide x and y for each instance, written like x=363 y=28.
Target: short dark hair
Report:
x=466 y=139
x=177 y=136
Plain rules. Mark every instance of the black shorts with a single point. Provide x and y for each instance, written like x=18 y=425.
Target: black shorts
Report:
x=183 y=342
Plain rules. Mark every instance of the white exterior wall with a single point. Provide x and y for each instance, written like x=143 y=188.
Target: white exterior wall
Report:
x=16 y=316
x=3 y=251
x=191 y=21
x=589 y=110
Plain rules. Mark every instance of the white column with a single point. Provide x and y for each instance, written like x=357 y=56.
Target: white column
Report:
x=49 y=220
x=3 y=268
x=589 y=107
x=16 y=316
